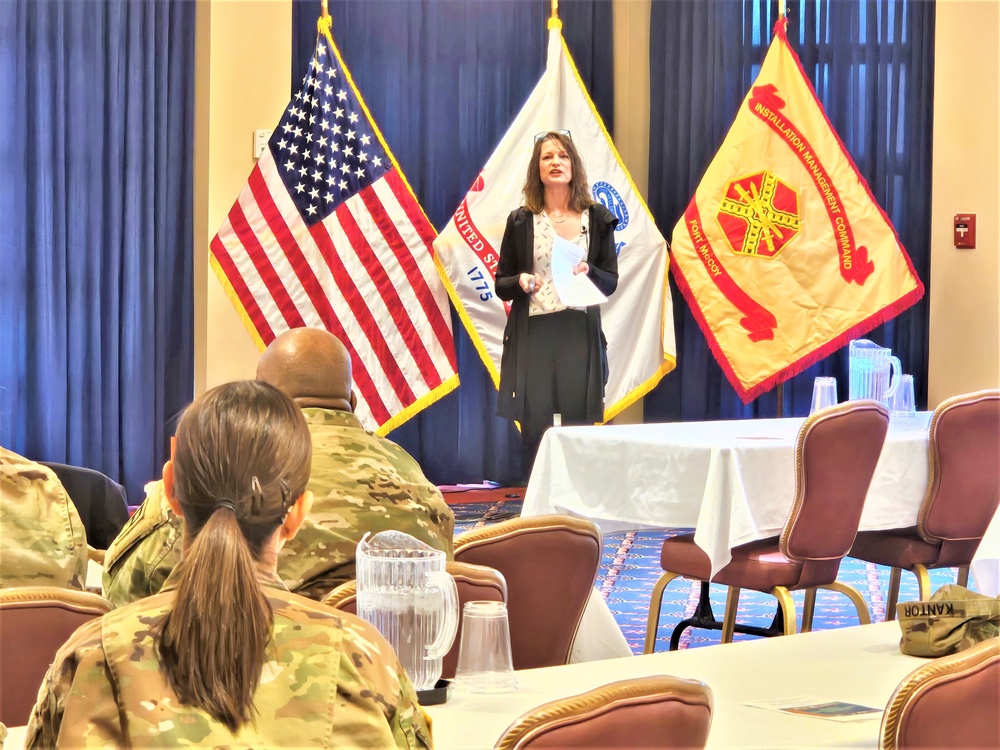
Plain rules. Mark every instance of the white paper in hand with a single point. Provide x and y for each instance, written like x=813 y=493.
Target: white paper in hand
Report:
x=574 y=290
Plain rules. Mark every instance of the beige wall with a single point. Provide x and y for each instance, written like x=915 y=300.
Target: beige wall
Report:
x=965 y=284
x=631 y=40
x=244 y=84
x=244 y=55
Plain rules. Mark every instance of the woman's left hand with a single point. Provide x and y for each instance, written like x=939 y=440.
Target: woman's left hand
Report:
x=581 y=267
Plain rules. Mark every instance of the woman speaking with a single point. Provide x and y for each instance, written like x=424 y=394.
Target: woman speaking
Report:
x=554 y=357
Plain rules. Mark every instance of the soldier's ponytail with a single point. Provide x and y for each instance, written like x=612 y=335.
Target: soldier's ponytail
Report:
x=242 y=458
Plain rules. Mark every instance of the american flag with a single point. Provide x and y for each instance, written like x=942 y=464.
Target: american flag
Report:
x=328 y=234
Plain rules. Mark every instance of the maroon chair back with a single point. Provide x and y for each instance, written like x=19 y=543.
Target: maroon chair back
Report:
x=950 y=702
x=660 y=711
x=474 y=583
x=835 y=457
x=34 y=622
x=550 y=564
x=964 y=486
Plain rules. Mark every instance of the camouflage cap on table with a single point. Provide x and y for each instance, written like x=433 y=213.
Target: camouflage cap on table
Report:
x=954 y=619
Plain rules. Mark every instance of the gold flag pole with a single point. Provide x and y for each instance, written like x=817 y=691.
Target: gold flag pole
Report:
x=324 y=24
x=554 y=22
x=780 y=390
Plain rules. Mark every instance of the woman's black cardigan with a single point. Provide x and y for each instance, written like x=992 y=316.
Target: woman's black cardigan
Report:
x=517 y=257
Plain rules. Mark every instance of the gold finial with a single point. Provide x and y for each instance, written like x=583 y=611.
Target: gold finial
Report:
x=324 y=24
x=782 y=11
x=555 y=8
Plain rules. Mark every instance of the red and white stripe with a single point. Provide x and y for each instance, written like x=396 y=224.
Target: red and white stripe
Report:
x=366 y=274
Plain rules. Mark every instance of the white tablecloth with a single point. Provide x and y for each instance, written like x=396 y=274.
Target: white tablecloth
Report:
x=986 y=566
x=733 y=482
x=860 y=665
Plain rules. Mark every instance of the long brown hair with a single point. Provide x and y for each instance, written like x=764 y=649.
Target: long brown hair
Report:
x=242 y=458
x=534 y=189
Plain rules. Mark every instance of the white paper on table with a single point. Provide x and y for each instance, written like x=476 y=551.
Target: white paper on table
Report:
x=574 y=290
x=807 y=705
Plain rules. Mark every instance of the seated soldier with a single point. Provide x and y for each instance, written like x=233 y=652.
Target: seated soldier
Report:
x=361 y=482
x=225 y=655
x=42 y=539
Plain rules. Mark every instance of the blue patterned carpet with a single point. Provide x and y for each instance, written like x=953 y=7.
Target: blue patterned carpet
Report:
x=631 y=566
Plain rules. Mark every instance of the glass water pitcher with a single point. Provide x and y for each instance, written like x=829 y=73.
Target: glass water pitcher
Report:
x=874 y=371
x=405 y=592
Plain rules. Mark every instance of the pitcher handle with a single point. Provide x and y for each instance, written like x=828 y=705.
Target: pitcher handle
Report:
x=449 y=628
x=894 y=379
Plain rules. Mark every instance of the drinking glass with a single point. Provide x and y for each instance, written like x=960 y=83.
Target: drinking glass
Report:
x=902 y=403
x=485 y=664
x=824 y=394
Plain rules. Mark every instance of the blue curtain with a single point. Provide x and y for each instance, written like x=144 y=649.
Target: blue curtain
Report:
x=444 y=79
x=96 y=326
x=872 y=64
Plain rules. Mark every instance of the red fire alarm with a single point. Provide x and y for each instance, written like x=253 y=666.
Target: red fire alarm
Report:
x=965 y=230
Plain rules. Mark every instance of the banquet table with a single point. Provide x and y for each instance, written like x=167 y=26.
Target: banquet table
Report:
x=861 y=664
x=732 y=481
x=857 y=665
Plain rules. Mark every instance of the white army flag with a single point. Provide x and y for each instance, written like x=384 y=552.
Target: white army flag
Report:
x=638 y=319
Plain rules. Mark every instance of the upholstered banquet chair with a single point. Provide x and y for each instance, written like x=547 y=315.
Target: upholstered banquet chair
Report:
x=658 y=711
x=474 y=583
x=34 y=622
x=951 y=702
x=963 y=491
x=550 y=563
x=835 y=456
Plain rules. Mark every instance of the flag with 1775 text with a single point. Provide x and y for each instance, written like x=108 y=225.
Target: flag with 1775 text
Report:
x=638 y=319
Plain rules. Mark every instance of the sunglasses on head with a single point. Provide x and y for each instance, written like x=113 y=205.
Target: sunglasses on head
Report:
x=540 y=136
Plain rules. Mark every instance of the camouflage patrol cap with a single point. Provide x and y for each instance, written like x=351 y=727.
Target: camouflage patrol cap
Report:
x=954 y=619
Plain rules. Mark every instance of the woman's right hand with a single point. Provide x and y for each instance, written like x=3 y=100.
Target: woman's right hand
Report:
x=530 y=282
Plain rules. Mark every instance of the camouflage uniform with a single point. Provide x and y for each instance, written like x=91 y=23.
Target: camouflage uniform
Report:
x=331 y=681
x=147 y=548
x=42 y=539
x=361 y=482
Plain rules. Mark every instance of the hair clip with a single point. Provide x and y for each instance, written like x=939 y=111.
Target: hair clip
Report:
x=286 y=494
x=256 y=496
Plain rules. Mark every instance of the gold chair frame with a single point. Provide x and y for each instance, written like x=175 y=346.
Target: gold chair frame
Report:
x=32 y=595
x=517 y=526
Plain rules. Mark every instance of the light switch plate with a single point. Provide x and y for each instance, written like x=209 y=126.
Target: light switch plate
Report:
x=260 y=139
